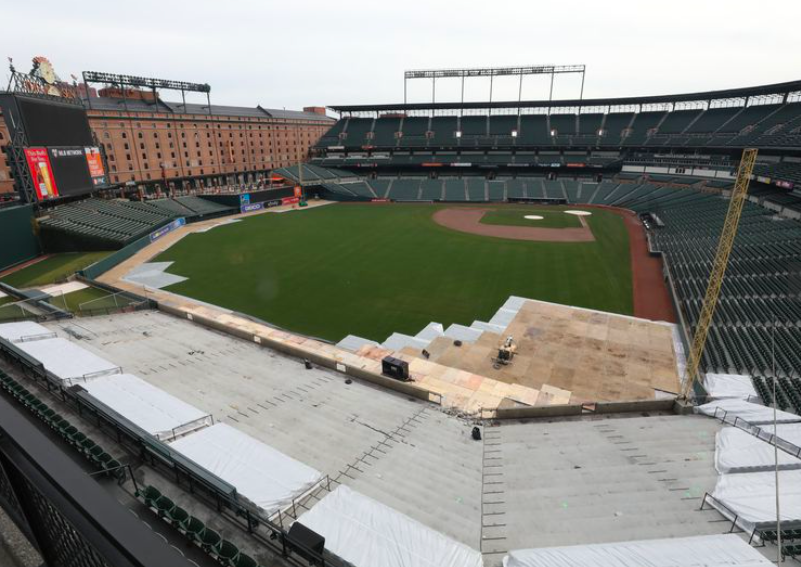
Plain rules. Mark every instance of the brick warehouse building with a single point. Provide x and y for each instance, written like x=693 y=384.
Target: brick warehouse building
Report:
x=150 y=142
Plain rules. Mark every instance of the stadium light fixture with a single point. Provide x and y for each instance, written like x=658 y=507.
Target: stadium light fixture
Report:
x=458 y=133
x=514 y=133
x=491 y=73
x=553 y=132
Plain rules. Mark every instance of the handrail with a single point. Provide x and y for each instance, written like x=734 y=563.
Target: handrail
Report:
x=157 y=453
x=722 y=505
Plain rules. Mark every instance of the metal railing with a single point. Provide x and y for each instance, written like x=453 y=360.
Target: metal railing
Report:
x=202 y=484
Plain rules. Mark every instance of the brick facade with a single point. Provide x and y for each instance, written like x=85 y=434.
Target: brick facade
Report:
x=160 y=147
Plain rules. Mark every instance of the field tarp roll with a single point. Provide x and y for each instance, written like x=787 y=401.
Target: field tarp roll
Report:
x=67 y=361
x=729 y=386
x=24 y=331
x=366 y=533
x=265 y=476
x=726 y=550
x=730 y=410
x=151 y=408
x=739 y=451
x=752 y=497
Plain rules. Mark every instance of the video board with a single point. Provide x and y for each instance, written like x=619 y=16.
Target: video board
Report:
x=49 y=123
x=65 y=171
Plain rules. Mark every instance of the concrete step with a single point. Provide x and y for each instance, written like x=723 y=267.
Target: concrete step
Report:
x=430 y=332
x=462 y=333
x=354 y=343
x=398 y=341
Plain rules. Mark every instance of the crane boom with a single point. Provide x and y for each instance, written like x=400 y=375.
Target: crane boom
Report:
x=725 y=245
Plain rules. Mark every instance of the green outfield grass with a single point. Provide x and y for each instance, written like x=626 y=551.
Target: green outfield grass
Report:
x=52 y=269
x=372 y=270
x=553 y=217
x=89 y=299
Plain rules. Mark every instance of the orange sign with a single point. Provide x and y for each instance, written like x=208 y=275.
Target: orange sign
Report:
x=298 y=191
x=95 y=162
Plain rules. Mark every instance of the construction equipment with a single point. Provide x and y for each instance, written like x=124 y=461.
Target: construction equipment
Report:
x=506 y=352
x=725 y=245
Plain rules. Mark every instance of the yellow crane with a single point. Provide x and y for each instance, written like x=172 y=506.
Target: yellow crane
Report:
x=725 y=245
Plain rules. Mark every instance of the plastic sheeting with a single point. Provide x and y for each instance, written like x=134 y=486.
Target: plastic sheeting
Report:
x=752 y=497
x=726 y=550
x=739 y=451
x=729 y=386
x=263 y=475
x=755 y=414
x=788 y=432
x=367 y=533
x=24 y=331
x=151 y=408
x=67 y=361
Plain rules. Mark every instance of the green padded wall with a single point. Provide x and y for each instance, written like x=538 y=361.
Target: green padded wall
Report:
x=18 y=243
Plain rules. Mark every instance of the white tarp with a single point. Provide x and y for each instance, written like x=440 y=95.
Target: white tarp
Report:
x=754 y=414
x=739 y=451
x=24 y=331
x=789 y=432
x=63 y=289
x=263 y=475
x=729 y=386
x=151 y=408
x=752 y=497
x=67 y=361
x=367 y=533
x=726 y=550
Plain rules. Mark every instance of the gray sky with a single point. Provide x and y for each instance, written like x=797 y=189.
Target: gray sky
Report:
x=301 y=52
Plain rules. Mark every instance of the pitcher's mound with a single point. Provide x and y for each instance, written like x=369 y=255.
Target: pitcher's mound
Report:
x=469 y=220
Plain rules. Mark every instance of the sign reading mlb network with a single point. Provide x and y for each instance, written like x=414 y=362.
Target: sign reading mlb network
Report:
x=177 y=223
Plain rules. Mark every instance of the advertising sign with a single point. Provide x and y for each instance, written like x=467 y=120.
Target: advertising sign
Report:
x=244 y=199
x=250 y=207
x=298 y=191
x=41 y=172
x=290 y=200
x=177 y=223
x=95 y=163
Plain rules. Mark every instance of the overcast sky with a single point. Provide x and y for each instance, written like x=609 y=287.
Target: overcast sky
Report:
x=299 y=52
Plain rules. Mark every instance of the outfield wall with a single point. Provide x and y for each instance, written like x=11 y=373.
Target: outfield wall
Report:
x=18 y=242
x=102 y=266
x=261 y=196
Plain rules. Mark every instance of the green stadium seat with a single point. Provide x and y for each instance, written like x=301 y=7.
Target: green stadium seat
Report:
x=227 y=553
x=209 y=539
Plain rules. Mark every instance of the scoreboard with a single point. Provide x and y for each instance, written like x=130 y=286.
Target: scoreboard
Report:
x=58 y=152
x=64 y=171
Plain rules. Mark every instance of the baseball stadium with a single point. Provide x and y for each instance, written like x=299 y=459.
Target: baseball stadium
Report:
x=529 y=333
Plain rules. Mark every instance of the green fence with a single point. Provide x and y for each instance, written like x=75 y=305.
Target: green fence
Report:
x=16 y=234
x=104 y=265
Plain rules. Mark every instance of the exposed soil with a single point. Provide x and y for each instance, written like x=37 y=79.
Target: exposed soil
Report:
x=469 y=220
x=651 y=296
x=19 y=267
